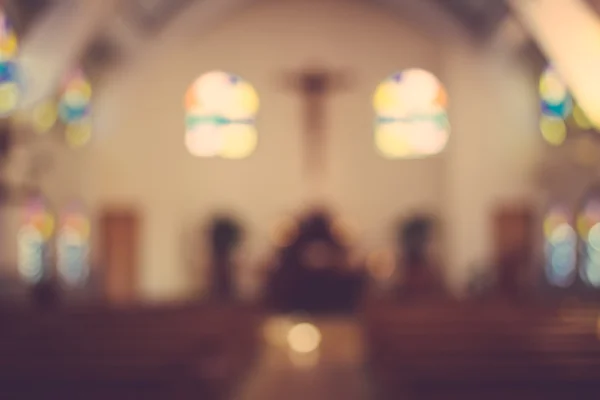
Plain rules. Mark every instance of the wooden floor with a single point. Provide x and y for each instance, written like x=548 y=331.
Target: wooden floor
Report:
x=334 y=371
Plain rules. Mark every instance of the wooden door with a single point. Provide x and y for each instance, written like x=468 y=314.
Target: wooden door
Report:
x=120 y=241
x=514 y=228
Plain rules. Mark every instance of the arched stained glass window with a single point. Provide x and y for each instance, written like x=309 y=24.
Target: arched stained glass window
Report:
x=75 y=109
x=588 y=228
x=73 y=246
x=34 y=235
x=9 y=72
x=220 y=112
x=411 y=115
x=560 y=248
x=558 y=108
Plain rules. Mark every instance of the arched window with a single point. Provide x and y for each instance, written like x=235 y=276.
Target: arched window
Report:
x=588 y=228
x=9 y=73
x=560 y=249
x=220 y=115
x=75 y=109
x=73 y=246
x=34 y=235
x=411 y=115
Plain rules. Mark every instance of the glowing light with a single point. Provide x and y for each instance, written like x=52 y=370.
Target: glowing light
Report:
x=45 y=116
x=588 y=227
x=9 y=70
x=561 y=247
x=304 y=338
x=37 y=228
x=412 y=121
x=78 y=134
x=239 y=141
x=220 y=112
x=73 y=246
x=556 y=99
x=554 y=130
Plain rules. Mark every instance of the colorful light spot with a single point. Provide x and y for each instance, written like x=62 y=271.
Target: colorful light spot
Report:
x=560 y=247
x=411 y=116
x=73 y=246
x=44 y=116
x=554 y=130
x=220 y=114
x=10 y=90
x=33 y=237
x=75 y=108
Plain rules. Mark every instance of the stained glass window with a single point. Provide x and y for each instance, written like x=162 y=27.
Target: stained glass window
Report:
x=9 y=72
x=411 y=115
x=220 y=118
x=560 y=247
x=588 y=228
x=75 y=109
x=34 y=234
x=559 y=109
x=73 y=246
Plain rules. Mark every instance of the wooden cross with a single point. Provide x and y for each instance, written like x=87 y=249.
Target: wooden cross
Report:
x=314 y=84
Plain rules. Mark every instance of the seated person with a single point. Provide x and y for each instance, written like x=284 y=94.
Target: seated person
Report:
x=312 y=273
x=421 y=277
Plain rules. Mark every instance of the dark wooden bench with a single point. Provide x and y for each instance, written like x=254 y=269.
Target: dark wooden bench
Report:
x=166 y=352
x=466 y=351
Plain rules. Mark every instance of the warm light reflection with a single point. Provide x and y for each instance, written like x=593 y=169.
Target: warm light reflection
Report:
x=304 y=338
x=220 y=113
x=412 y=121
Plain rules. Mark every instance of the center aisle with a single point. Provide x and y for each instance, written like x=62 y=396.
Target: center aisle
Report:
x=290 y=369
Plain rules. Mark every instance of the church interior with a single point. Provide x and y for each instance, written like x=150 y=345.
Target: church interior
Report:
x=327 y=199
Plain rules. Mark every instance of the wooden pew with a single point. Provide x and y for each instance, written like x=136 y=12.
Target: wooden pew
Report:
x=466 y=351
x=159 y=353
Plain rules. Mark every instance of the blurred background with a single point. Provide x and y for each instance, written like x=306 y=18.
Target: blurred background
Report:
x=247 y=178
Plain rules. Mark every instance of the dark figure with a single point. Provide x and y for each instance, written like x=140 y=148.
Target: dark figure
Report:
x=415 y=237
x=312 y=273
x=225 y=236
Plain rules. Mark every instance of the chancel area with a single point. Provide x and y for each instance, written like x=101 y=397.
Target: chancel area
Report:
x=327 y=199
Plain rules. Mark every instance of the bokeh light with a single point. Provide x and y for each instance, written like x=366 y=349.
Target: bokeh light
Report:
x=588 y=228
x=554 y=130
x=44 y=116
x=304 y=338
x=560 y=247
x=33 y=237
x=75 y=108
x=220 y=112
x=411 y=115
x=10 y=90
x=555 y=97
x=73 y=246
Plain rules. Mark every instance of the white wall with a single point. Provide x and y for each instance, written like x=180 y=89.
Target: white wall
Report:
x=143 y=161
x=495 y=148
x=139 y=158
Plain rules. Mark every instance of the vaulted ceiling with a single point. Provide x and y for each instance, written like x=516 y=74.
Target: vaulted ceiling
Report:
x=479 y=17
